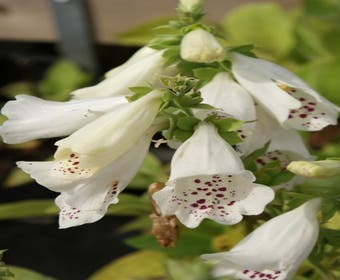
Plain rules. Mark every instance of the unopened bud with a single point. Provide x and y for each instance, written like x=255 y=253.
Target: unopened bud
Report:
x=188 y=6
x=317 y=169
x=201 y=46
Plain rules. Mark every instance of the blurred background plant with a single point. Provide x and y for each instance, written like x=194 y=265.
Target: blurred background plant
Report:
x=306 y=40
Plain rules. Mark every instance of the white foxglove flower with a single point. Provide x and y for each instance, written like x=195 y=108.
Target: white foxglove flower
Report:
x=274 y=250
x=224 y=93
x=208 y=180
x=289 y=99
x=86 y=195
x=113 y=133
x=142 y=70
x=201 y=46
x=188 y=6
x=32 y=118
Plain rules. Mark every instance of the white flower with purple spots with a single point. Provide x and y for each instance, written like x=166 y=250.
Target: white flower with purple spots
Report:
x=273 y=251
x=114 y=133
x=86 y=193
x=289 y=99
x=142 y=69
x=32 y=118
x=201 y=46
x=208 y=180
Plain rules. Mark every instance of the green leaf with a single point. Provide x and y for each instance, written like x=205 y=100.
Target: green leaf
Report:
x=142 y=34
x=129 y=205
x=151 y=171
x=188 y=270
x=61 y=79
x=13 y=89
x=27 y=274
x=16 y=178
x=5 y=273
x=142 y=265
x=140 y=223
x=265 y=25
x=189 y=244
x=28 y=208
x=331 y=236
x=172 y=55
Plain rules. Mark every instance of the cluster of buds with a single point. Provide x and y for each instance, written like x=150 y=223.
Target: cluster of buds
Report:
x=235 y=105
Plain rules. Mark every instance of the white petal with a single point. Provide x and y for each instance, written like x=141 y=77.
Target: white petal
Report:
x=224 y=93
x=136 y=57
x=223 y=198
x=140 y=72
x=289 y=140
x=312 y=115
x=276 y=248
x=32 y=118
x=86 y=201
x=299 y=108
x=259 y=133
x=204 y=153
x=113 y=133
x=201 y=46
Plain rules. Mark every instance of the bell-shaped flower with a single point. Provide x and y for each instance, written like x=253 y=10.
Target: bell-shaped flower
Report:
x=223 y=93
x=111 y=134
x=32 y=118
x=208 y=180
x=143 y=69
x=86 y=193
x=201 y=46
x=289 y=99
x=275 y=249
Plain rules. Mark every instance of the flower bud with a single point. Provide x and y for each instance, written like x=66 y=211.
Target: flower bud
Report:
x=201 y=46
x=188 y=6
x=318 y=169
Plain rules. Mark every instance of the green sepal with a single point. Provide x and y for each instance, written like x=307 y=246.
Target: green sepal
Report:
x=243 y=49
x=181 y=135
x=205 y=74
x=171 y=55
x=138 y=92
x=231 y=137
x=187 y=123
x=249 y=161
x=225 y=125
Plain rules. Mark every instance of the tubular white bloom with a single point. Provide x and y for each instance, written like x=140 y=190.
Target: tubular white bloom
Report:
x=274 y=250
x=189 y=5
x=315 y=169
x=201 y=46
x=224 y=93
x=87 y=193
x=208 y=180
x=144 y=68
x=32 y=118
x=289 y=99
x=111 y=134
